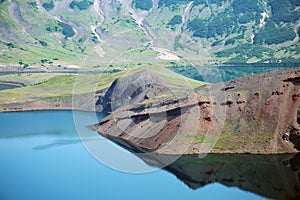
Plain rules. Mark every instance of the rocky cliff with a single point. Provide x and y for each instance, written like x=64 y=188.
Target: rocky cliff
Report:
x=135 y=88
x=256 y=114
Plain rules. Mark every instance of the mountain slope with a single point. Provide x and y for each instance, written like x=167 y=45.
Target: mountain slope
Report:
x=146 y=84
x=91 y=32
x=40 y=91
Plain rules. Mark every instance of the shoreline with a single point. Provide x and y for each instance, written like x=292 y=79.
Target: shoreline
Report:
x=14 y=68
x=139 y=151
x=8 y=69
x=284 y=87
x=37 y=109
x=133 y=150
x=10 y=83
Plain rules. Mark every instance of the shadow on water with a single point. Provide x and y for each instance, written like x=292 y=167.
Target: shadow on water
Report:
x=57 y=143
x=29 y=133
x=271 y=176
x=63 y=142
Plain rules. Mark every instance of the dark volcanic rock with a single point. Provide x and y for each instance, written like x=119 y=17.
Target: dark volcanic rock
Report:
x=129 y=90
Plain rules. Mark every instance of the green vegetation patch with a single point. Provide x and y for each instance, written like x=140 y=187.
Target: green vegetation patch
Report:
x=233 y=40
x=33 y=4
x=204 y=138
x=48 y=5
x=6 y=21
x=195 y=2
x=67 y=30
x=43 y=43
x=81 y=5
x=177 y=19
x=274 y=35
x=42 y=86
x=143 y=4
x=244 y=6
x=245 y=51
x=174 y=78
x=227 y=141
x=28 y=79
x=226 y=22
x=284 y=10
x=208 y=28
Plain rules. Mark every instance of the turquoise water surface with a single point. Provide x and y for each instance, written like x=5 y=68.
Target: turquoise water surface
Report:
x=214 y=74
x=42 y=157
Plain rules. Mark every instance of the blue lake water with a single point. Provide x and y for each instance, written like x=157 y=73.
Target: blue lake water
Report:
x=42 y=157
x=213 y=74
x=6 y=87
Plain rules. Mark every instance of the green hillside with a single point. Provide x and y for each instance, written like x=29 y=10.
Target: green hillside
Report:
x=52 y=87
x=131 y=33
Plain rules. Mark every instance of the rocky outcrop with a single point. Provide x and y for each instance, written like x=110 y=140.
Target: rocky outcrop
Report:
x=249 y=114
x=132 y=89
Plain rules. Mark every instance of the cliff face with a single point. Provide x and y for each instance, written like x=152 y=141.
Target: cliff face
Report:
x=263 y=110
x=257 y=114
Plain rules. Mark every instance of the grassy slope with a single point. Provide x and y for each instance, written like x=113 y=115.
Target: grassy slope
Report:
x=123 y=46
x=27 y=47
x=125 y=43
x=59 y=49
x=27 y=79
x=170 y=76
x=46 y=86
x=54 y=85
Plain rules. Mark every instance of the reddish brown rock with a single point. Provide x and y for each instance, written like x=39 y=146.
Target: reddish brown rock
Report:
x=249 y=114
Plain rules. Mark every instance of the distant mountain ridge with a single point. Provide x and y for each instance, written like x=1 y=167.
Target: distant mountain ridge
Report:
x=92 y=32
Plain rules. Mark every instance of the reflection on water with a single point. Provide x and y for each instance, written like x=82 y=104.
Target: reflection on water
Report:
x=42 y=151
x=272 y=176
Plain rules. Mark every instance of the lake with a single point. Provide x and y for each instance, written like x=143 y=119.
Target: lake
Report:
x=42 y=157
x=6 y=87
x=213 y=74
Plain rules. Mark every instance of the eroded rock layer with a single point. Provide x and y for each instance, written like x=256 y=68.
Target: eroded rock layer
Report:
x=257 y=114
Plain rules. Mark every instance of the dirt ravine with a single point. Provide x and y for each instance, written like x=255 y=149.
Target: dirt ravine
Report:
x=186 y=12
x=139 y=16
x=14 y=13
x=98 y=11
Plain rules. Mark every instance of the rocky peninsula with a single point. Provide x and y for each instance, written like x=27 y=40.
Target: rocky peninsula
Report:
x=256 y=114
